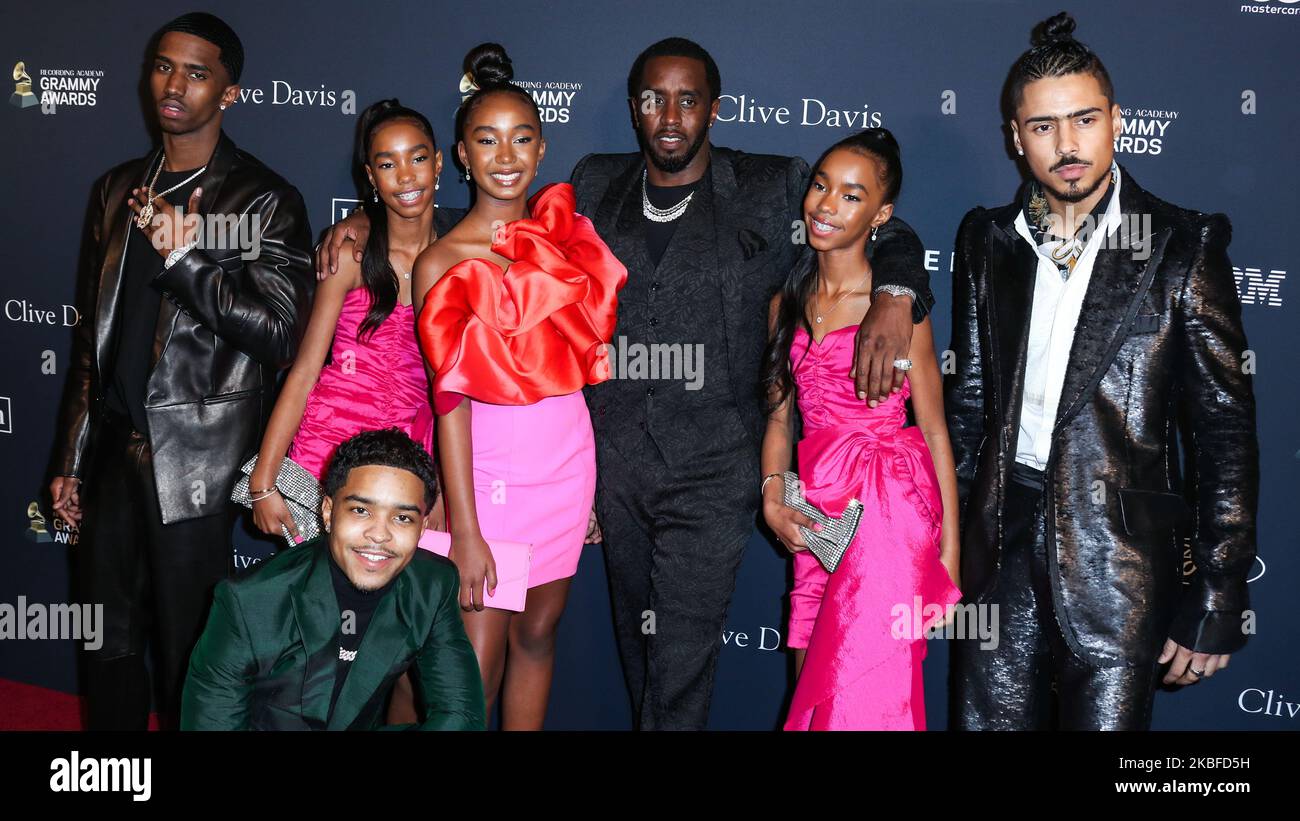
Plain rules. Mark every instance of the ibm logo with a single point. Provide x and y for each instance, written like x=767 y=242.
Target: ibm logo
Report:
x=1261 y=288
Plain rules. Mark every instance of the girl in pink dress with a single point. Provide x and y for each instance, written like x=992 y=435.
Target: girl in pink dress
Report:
x=858 y=633
x=519 y=303
x=363 y=319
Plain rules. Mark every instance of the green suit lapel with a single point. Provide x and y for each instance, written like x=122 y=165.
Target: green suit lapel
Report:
x=316 y=611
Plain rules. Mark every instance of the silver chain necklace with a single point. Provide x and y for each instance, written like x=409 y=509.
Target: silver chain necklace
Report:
x=661 y=214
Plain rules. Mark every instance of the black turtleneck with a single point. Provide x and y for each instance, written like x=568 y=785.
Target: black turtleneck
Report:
x=361 y=605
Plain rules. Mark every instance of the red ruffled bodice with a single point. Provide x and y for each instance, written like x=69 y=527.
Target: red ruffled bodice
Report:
x=536 y=329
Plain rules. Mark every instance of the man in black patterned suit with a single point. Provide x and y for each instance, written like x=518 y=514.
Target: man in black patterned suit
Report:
x=707 y=235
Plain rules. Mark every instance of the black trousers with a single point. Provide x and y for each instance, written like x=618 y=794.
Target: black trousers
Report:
x=674 y=537
x=1010 y=687
x=154 y=580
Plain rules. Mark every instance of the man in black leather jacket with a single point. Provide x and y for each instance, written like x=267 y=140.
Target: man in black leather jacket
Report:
x=1076 y=359
x=173 y=369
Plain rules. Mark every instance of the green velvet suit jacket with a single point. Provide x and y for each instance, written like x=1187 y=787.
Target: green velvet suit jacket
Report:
x=267 y=658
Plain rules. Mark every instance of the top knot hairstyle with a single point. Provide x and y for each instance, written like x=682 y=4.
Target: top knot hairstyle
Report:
x=490 y=69
x=1055 y=53
x=215 y=30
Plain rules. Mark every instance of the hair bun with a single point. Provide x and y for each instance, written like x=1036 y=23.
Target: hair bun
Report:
x=488 y=64
x=1055 y=29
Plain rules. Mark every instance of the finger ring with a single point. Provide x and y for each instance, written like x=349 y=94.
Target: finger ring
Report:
x=903 y=364
x=1197 y=673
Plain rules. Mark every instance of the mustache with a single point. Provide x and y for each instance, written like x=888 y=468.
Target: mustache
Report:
x=1068 y=161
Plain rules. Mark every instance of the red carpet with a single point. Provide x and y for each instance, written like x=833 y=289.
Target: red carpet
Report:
x=28 y=707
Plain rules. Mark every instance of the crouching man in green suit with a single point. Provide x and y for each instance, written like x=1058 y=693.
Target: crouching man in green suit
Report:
x=314 y=638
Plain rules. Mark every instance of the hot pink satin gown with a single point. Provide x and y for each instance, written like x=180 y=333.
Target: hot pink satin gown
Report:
x=862 y=670
x=374 y=382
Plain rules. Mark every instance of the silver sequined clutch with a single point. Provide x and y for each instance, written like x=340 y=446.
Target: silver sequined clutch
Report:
x=300 y=491
x=836 y=534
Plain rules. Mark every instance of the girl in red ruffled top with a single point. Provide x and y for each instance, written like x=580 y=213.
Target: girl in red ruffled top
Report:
x=519 y=304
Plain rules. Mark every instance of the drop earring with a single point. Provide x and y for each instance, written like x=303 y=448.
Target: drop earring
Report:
x=467 y=177
x=874 y=229
x=376 y=190
x=223 y=106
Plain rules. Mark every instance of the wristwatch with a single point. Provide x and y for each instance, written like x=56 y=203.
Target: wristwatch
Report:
x=177 y=253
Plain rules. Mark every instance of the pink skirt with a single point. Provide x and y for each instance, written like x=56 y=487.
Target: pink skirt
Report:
x=535 y=479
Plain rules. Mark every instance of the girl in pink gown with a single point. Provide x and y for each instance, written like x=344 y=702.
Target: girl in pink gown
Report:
x=858 y=633
x=363 y=320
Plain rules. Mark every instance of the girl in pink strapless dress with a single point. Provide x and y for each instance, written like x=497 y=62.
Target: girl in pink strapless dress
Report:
x=858 y=633
x=375 y=376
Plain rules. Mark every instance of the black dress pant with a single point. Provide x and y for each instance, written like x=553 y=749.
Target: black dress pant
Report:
x=154 y=580
x=674 y=537
x=1010 y=687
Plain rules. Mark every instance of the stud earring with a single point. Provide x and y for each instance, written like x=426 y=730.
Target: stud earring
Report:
x=223 y=106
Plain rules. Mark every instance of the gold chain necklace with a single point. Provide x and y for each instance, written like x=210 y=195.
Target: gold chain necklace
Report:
x=146 y=212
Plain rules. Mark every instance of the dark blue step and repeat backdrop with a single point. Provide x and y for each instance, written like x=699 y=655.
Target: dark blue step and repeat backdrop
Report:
x=1211 y=107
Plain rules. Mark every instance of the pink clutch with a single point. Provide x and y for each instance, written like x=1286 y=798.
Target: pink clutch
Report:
x=512 y=559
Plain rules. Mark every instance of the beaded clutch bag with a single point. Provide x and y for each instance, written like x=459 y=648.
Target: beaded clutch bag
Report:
x=836 y=534
x=300 y=491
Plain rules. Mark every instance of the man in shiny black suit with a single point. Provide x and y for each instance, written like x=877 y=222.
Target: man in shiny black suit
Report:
x=173 y=369
x=707 y=235
x=1075 y=361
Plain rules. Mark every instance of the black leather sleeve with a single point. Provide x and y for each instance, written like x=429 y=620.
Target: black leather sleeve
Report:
x=963 y=388
x=1219 y=406
x=73 y=429
x=265 y=311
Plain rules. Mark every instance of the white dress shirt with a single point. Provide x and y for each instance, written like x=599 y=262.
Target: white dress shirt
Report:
x=1051 y=334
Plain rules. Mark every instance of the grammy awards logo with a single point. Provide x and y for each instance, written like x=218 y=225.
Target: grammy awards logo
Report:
x=36 y=531
x=22 y=96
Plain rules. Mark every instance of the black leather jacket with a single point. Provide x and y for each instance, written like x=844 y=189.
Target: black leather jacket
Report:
x=1158 y=340
x=226 y=326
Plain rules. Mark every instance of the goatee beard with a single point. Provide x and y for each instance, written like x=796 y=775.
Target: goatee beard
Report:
x=1078 y=195
x=671 y=165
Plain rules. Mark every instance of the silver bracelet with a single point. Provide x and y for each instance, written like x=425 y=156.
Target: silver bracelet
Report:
x=895 y=290
x=266 y=495
x=769 y=477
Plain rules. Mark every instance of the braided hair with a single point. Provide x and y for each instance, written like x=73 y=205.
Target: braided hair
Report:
x=1055 y=53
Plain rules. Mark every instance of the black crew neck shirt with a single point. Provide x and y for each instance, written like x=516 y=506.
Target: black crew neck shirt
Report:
x=138 y=311
x=659 y=234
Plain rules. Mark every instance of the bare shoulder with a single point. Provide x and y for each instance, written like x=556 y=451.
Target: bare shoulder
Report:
x=437 y=259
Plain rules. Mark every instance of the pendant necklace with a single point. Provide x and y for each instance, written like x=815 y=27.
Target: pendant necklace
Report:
x=819 y=315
